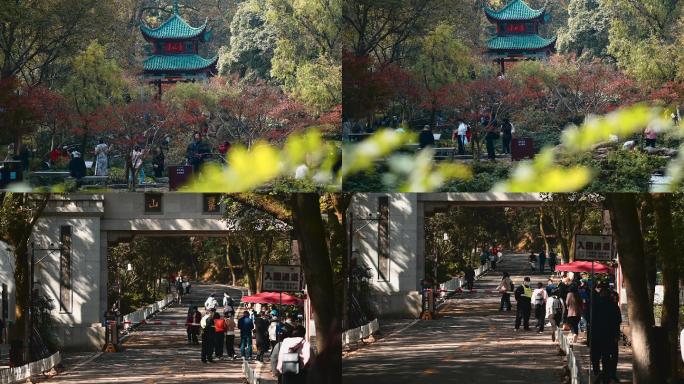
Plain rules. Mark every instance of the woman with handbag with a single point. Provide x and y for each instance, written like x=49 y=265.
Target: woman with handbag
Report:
x=293 y=358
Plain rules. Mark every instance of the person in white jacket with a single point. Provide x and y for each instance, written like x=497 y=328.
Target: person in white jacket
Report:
x=211 y=302
x=554 y=312
x=539 y=297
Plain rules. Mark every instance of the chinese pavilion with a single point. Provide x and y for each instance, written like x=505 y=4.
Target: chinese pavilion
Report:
x=517 y=38
x=175 y=52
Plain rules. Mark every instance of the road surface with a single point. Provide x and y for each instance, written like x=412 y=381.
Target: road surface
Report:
x=159 y=353
x=470 y=340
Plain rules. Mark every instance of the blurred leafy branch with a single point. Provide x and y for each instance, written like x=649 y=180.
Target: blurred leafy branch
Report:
x=418 y=172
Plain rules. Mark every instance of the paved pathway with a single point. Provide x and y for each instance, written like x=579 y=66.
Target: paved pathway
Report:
x=470 y=340
x=159 y=353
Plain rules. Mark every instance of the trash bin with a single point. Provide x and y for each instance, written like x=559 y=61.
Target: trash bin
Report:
x=179 y=176
x=522 y=148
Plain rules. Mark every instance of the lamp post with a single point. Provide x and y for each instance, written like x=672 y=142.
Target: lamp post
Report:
x=351 y=231
x=32 y=264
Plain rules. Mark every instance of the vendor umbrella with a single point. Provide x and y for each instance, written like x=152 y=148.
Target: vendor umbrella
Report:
x=273 y=298
x=584 y=266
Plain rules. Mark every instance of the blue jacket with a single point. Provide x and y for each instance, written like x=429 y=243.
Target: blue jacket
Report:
x=246 y=325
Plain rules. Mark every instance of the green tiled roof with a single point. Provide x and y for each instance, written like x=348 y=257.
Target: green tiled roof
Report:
x=173 y=28
x=178 y=62
x=519 y=42
x=515 y=10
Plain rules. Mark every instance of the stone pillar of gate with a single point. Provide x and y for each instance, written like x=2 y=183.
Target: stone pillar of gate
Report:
x=394 y=292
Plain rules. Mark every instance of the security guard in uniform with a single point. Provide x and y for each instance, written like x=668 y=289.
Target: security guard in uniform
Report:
x=523 y=296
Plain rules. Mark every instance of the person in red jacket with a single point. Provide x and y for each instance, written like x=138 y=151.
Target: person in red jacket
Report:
x=220 y=328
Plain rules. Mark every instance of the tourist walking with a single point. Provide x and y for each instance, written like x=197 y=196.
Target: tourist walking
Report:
x=137 y=165
x=523 y=298
x=650 y=136
x=230 y=335
x=574 y=310
x=293 y=357
x=490 y=138
x=197 y=152
x=542 y=261
x=506 y=135
x=179 y=290
x=426 y=138
x=246 y=326
x=539 y=297
x=554 y=312
x=469 y=275
x=461 y=133
x=553 y=260
x=208 y=336
x=220 y=329
x=158 y=162
x=261 y=325
x=77 y=167
x=192 y=324
x=605 y=335
x=211 y=302
x=101 y=150
x=493 y=257
x=505 y=288
x=533 y=261
x=274 y=331
x=228 y=303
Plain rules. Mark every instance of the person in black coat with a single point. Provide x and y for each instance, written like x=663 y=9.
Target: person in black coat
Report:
x=506 y=136
x=261 y=333
x=77 y=167
x=605 y=335
x=523 y=297
x=158 y=162
x=426 y=138
x=197 y=152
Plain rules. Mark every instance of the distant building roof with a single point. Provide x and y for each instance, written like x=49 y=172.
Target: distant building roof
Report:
x=515 y=10
x=175 y=28
x=172 y=63
x=519 y=42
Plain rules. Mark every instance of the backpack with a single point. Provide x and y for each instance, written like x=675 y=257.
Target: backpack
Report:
x=539 y=297
x=557 y=306
x=290 y=360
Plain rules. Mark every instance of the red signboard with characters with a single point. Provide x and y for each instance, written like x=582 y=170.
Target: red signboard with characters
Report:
x=174 y=47
x=515 y=28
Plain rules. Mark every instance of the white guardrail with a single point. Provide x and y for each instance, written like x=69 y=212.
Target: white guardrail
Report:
x=135 y=318
x=250 y=373
x=20 y=374
x=357 y=334
x=573 y=363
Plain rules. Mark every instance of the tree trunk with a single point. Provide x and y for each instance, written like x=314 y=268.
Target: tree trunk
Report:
x=646 y=220
x=662 y=204
x=230 y=263
x=311 y=236
x=625 y=222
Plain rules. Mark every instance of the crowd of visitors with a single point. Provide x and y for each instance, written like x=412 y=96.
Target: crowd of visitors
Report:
x=570 y=305
x=268 y=331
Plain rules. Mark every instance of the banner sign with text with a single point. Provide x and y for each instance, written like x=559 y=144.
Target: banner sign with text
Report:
x=594 y=247
x=281 y=278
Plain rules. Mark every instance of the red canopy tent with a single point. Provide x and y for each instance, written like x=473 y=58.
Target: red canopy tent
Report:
x=584 y=266
x=273 y=298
